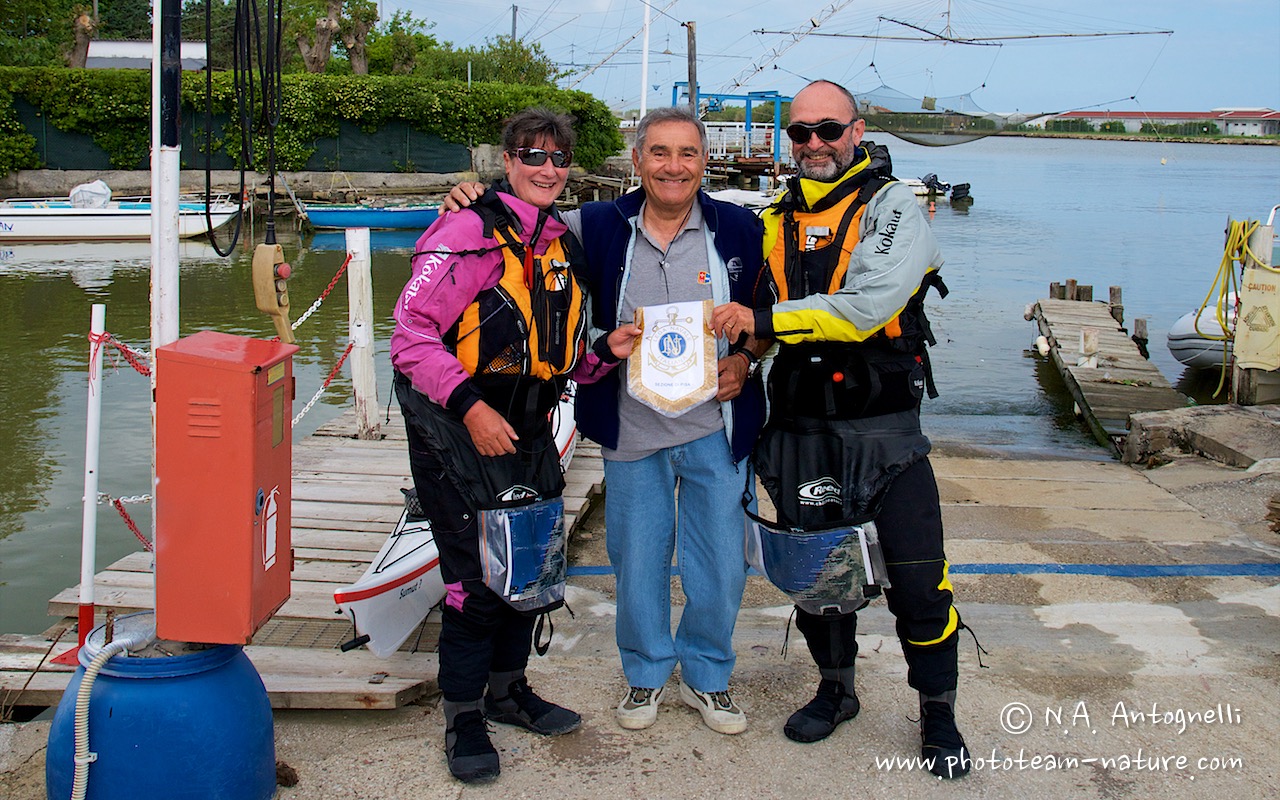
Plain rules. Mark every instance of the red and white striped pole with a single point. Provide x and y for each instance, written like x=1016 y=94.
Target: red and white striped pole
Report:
x=92 y=438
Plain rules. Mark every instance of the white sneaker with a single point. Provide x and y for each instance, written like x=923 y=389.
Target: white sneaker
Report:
x=639 y=709
x=718 y=710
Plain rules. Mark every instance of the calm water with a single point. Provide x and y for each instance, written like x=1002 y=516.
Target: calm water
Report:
x=1046 y=210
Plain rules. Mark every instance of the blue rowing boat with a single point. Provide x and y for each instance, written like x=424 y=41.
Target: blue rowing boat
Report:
x=353 y=215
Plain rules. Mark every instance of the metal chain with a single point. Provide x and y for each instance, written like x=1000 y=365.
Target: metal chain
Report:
x=133 y=527
x=104 y=498
x=138 y=354
x=316 y=305
x=137 y=359
x=332 y=374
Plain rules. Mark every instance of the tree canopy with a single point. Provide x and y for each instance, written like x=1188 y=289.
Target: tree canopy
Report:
x=321 y=36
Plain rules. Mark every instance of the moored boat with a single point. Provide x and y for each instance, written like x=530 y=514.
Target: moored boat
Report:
x=1197 y=338
x=925 y=189
x=416 y=216
x=127 y=219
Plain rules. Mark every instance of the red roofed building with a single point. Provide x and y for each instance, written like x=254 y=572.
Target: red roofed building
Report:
x=1230 y=121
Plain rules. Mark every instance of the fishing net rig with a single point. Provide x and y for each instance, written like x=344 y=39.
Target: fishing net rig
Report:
x=929 y=119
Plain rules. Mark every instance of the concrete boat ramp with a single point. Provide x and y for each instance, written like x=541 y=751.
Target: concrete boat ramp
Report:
x=1130 y=618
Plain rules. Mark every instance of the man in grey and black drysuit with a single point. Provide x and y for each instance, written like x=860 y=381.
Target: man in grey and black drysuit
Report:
x=851 y=256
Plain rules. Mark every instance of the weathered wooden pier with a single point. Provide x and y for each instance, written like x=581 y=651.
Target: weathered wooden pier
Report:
x=346 y=499
x=1102 y=365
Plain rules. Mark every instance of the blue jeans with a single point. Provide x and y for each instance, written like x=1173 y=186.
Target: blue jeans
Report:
x=643 y=529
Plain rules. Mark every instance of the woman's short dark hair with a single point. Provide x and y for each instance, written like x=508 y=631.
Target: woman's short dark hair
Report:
x=526 y=127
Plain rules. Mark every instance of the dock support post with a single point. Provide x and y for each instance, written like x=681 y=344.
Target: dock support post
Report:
x=1117 y=305
x=1088 y=348
x=364 y=380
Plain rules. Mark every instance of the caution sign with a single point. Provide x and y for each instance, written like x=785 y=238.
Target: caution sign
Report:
x=674 y=367
x=1257 y=344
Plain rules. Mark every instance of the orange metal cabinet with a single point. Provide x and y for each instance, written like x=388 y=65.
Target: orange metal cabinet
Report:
x=223 y=471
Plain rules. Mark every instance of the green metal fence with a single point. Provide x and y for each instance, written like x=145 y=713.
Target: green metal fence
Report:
x=396 y=147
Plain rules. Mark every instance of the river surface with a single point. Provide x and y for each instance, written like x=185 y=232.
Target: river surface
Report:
x=1148 y=217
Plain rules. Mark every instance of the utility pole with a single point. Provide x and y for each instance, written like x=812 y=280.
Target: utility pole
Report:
x=514 y=9
x=644 y=64
x=693 y=67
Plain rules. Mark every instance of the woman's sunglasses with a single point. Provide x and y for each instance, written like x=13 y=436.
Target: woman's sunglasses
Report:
x=536 y=157
x=828 y=131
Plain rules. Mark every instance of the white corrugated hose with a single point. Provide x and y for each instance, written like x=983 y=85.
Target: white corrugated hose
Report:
x=80 y=780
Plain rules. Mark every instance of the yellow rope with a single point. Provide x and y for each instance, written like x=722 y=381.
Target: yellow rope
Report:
x=1226 y=287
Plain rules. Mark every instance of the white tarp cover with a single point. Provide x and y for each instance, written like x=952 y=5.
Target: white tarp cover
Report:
x=95 y=194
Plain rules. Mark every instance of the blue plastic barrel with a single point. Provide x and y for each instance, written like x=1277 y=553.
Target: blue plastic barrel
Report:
x=194 y=725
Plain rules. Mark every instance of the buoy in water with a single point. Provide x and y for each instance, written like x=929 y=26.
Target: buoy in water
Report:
x=1042 y=345
x=195 y=724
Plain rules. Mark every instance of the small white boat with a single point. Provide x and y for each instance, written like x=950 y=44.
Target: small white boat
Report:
x=747 y=198
x=1197 y=339
x=402 y=584
x=59 y=220
x=925 y=189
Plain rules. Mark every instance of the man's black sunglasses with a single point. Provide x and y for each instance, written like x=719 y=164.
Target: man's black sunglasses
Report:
x=536 y=157
x=827 y=131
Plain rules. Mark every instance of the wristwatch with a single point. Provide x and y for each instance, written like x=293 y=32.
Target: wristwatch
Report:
x=753 y=363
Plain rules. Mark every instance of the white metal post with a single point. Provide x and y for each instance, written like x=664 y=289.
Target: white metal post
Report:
x=364 y=379
x=166 y=165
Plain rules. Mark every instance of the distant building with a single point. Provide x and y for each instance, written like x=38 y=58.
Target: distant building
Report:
x=108 y=54
x=1230 y=121
x=1249 y=121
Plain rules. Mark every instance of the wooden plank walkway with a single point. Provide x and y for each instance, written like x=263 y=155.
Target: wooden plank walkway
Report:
x=1123 y=382
x=346 y=499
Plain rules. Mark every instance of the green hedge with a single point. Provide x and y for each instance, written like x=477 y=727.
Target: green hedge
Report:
x=113 y=107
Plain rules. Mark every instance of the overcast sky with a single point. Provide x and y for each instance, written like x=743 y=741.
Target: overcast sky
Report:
x=1223 y=53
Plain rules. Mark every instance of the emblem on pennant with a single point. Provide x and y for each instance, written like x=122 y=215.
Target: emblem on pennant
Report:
x=674 y=367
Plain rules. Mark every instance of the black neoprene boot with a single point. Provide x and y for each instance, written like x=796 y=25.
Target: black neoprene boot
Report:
x=519 y=705
x=834 y=703
x=941 y=745
x=472 y=758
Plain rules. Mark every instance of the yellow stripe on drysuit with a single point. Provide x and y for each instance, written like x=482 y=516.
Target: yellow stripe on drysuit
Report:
x=811 y=324
x=953 y=619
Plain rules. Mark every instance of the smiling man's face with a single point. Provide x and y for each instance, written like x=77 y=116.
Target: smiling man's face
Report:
x=671 y=166
x=816 y=158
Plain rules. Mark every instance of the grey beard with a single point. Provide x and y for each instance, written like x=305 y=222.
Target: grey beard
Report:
x=827 y=175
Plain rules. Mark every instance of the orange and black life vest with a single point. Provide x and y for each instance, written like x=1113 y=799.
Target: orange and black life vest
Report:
x=531 y=324
x=888 y=372
x=811 y=255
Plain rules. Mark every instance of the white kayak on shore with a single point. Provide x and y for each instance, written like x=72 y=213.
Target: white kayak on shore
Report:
x=398 y=590
x=1197 y=339
x=403 y=582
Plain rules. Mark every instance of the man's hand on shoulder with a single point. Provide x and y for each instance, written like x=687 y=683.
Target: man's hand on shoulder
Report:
x=462 y=196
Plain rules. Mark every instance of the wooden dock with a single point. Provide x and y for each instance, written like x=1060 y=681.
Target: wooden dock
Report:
x=346 y=499
x=1102 y=366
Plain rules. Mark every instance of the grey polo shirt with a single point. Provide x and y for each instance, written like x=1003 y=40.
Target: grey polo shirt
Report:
x=678 y=274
